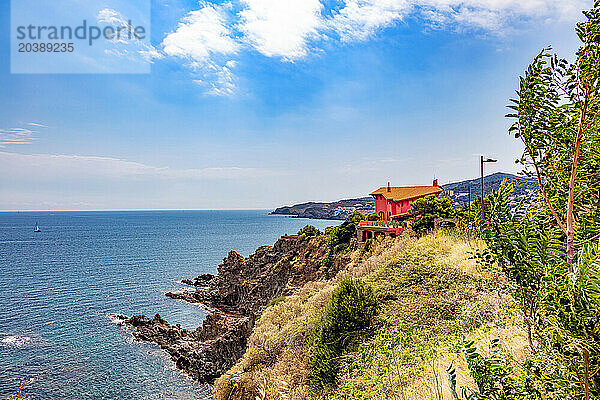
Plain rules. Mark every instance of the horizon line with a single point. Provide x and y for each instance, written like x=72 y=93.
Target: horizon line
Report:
x=144 y=209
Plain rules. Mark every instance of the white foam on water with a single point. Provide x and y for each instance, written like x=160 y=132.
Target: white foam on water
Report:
x=15 y=341
x=116 y=319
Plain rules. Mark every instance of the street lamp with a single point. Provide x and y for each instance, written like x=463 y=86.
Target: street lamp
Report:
x=483 y=161
x=469 y=205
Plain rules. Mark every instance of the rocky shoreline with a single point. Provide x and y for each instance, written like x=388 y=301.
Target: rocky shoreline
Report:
x=241 y=291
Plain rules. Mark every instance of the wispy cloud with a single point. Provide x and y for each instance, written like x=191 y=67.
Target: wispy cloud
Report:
x=37 y=125
x=73 y=166
x=132 y=48
x=203 y=40
x=359 y=20
x=16 y=136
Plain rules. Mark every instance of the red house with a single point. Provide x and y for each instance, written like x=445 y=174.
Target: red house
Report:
x=393 y=203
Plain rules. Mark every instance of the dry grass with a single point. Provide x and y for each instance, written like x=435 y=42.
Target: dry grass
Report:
x=432 y=293
x=433 y=383
x=277 y=352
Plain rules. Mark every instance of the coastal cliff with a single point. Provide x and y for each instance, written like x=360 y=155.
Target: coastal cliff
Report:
x=266 y=311
x=338 y=210
x=241 y=291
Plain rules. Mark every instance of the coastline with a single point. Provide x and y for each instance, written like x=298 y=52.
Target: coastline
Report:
x=240 y=291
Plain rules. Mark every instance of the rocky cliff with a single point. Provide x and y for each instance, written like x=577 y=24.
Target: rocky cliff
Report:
x=338 y=210
x=242 y=289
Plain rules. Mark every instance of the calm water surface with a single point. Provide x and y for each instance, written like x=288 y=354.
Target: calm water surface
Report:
x=58 y=287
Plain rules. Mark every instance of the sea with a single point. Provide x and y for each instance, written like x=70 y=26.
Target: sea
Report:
x=59 y=287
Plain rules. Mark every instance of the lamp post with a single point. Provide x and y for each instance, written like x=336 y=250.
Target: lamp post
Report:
x=483 y=161
x=469 y=205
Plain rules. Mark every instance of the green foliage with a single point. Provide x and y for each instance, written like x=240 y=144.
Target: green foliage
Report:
x=276 y=301
x=423 y=310
x=368 y=246
x=339 y=238
x=372 y=217
x=351 y=309
x=308 y=231
x=558 y=107
x=548 y=247
x=427 y=209
x=523 y=243
x=494 y=378
x=346 y=231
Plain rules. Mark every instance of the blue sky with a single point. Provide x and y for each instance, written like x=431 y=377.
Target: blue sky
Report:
x=260 y=103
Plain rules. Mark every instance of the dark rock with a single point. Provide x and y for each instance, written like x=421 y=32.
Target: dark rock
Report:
x=242 y=289
x=204 y=354
x=199 y=281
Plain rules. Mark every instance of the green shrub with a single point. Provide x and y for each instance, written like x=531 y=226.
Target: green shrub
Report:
x=369 y=244
x=340 y=236
x=346 y=231
x=276 y=301
x=427 y=209
x=495 y=378
x=372 y=217
x=308 y=231
x=351 y=309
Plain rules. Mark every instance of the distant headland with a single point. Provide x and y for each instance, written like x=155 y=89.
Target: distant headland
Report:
x=458 y=192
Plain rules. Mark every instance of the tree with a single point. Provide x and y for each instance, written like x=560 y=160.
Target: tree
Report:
x=372 y=217
x=308 y=231
x=557 y=117
x=552 y=246
x=427 y=209
x=339 y=238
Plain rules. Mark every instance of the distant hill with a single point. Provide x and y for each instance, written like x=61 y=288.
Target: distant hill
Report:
x=458 y=192
x=339 y=210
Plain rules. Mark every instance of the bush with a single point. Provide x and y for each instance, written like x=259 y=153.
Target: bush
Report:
x=495 y=379
x=308 y=231
x=340 y=236
x=350 y=310
x=372 y=217
x=427 y=209
x=276 y=301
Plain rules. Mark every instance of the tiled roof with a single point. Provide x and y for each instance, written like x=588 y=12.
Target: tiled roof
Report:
x=407 y=192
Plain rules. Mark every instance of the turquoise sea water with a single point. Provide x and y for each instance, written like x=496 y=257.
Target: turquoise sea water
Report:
x=58 y=287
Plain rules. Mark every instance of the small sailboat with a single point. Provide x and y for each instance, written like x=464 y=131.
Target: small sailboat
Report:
x=37 y=228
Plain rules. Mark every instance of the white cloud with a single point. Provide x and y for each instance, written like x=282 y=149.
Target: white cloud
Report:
x=87 y=167
x=358 y=20
x=223 y=83
x=204 y=41
x=131 y=48
x=37 y=125
x=361 y=19
x=281 y=28
x=200 y=35
x=207 y=38
x=16 y=136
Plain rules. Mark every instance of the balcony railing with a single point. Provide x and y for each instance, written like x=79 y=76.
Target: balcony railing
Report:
x=384 y=224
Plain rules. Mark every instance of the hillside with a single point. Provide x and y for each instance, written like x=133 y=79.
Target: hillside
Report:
x=429 y=294
x=458 y=192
